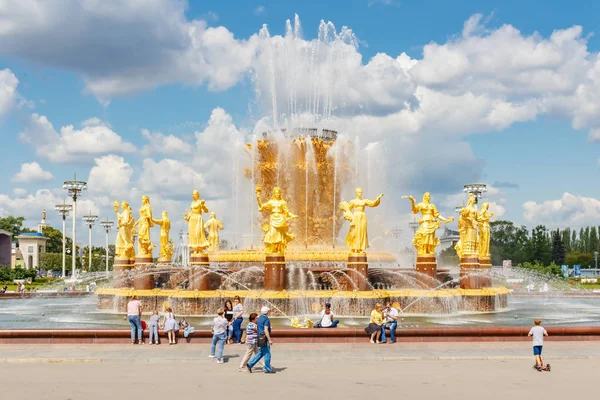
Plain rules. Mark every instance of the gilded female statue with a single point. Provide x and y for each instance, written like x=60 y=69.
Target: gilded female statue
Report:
x=467 y=229
x=166 y=245
x=277 y=232
x=358 y=239
x=483 y=219
x=213 y=225
x=197 y=237
x=425 y=240
x=144 y=223
x=125 y=222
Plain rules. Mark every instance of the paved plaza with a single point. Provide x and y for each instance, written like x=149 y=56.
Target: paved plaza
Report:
x=353 y=371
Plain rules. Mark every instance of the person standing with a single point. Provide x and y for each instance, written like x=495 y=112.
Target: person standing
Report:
x=229 y=317
x=134 y=313
x=264 y=342
x=538 y=332
x=170 y=325
x=327 y=320
x=219 y=330
x=390 y=317
x=238 y=311
x=153 y=338
x=251 y=337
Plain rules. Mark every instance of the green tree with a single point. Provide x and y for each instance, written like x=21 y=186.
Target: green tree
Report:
x=54 y=243
x=507 y=242
x=448 y=257
x=586 y=260
x=593 y=239
x=539 y=246
x=558 y=248
x=12 y=224
x=574 y=241
x=565 y=236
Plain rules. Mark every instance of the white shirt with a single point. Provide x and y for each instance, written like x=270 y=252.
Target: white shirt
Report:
x=326 y=319
x=538 y=333
x=219 y=325
x=388 y=314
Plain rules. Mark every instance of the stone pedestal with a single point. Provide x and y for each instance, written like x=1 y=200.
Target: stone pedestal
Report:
x=469 y=272
x=485 y=268
x=427 y=271
x=121 y=268
x=358 y=270
x=275 y=273
x=141 y=277
x=199 y=272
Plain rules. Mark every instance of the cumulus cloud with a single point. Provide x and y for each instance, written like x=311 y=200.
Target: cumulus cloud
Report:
x=170 y=177
x=110 y=175
x=8 y=91
x=94 y=138
x=164 y=144
x=570 y=210
x=95 y=38
x=31 y=172
x=259 y=10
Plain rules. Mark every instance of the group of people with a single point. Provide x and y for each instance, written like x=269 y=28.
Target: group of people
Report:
x=258 y=336
x=382 y=319
x=168 y=323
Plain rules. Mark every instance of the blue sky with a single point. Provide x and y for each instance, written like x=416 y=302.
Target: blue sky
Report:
x=533 y=147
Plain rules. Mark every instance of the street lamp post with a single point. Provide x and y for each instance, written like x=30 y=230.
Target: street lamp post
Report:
x=476 y=188
x=63 y=210
x=74 y=189
x=107 y=225
x=90 y=219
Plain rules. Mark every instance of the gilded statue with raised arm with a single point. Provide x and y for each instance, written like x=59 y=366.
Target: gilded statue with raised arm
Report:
x=358 y=239
x=166 y=245
x=277 y=232
x=197 y=237
x=143 y=224
x=467 y=229
x=124 y=241
x=213 y=225
x=425 y=240
x=483 y=221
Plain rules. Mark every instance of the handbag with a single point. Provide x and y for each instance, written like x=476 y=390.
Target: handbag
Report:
x=262 y=341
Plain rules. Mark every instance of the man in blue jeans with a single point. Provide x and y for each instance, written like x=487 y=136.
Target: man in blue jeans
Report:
x=390 y=315
x=264 y=328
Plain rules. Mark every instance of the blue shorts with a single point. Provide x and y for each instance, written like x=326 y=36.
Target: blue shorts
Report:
x=537 y=350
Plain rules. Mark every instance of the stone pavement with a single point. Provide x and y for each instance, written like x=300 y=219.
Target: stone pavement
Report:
x=297 y=352
x=347 y=379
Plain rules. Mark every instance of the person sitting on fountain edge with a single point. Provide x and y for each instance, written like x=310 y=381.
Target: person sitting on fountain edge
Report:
x=390 y=316
x=327 y=320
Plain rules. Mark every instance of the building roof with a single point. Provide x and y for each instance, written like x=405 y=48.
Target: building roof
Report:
x=35 y=235
x=7 y=233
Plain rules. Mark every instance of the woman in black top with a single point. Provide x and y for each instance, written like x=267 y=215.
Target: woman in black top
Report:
x=229 y=316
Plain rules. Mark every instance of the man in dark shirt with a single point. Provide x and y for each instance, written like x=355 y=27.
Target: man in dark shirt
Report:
x=264 y=328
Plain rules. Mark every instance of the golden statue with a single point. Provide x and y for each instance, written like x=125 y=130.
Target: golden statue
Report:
x=295 y=323
x=213 y=225
x=425 y=240
x=358 y=239
x=166 y=245
x=124 y=241
x=467 y=229
x=144 y=224
x=277 y=232
x=197 y=237
x=483 y=220
x=44 y=215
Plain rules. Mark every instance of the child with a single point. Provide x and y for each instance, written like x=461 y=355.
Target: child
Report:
x=538 y=333
x=171 y=325
x=219 y=330
x=251 y=335
x=154 y=327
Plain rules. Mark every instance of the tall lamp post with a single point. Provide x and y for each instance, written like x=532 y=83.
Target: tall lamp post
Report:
x=74 y=189
x=476 y=188
x=90 y=219
x=107 y=225
x=63 y=210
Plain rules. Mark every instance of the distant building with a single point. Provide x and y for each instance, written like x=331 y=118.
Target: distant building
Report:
x=449 y=238
x=5 y=247
x=32 y=244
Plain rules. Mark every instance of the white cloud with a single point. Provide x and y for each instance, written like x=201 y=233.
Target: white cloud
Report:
x=570 y=210
x=94 y=138
x=111 y=175
x=8 y=91
x=19 y=192
x=94 y=39
x=170 y=177
x=31 y=172
x=259 y=10
x=164 y=144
